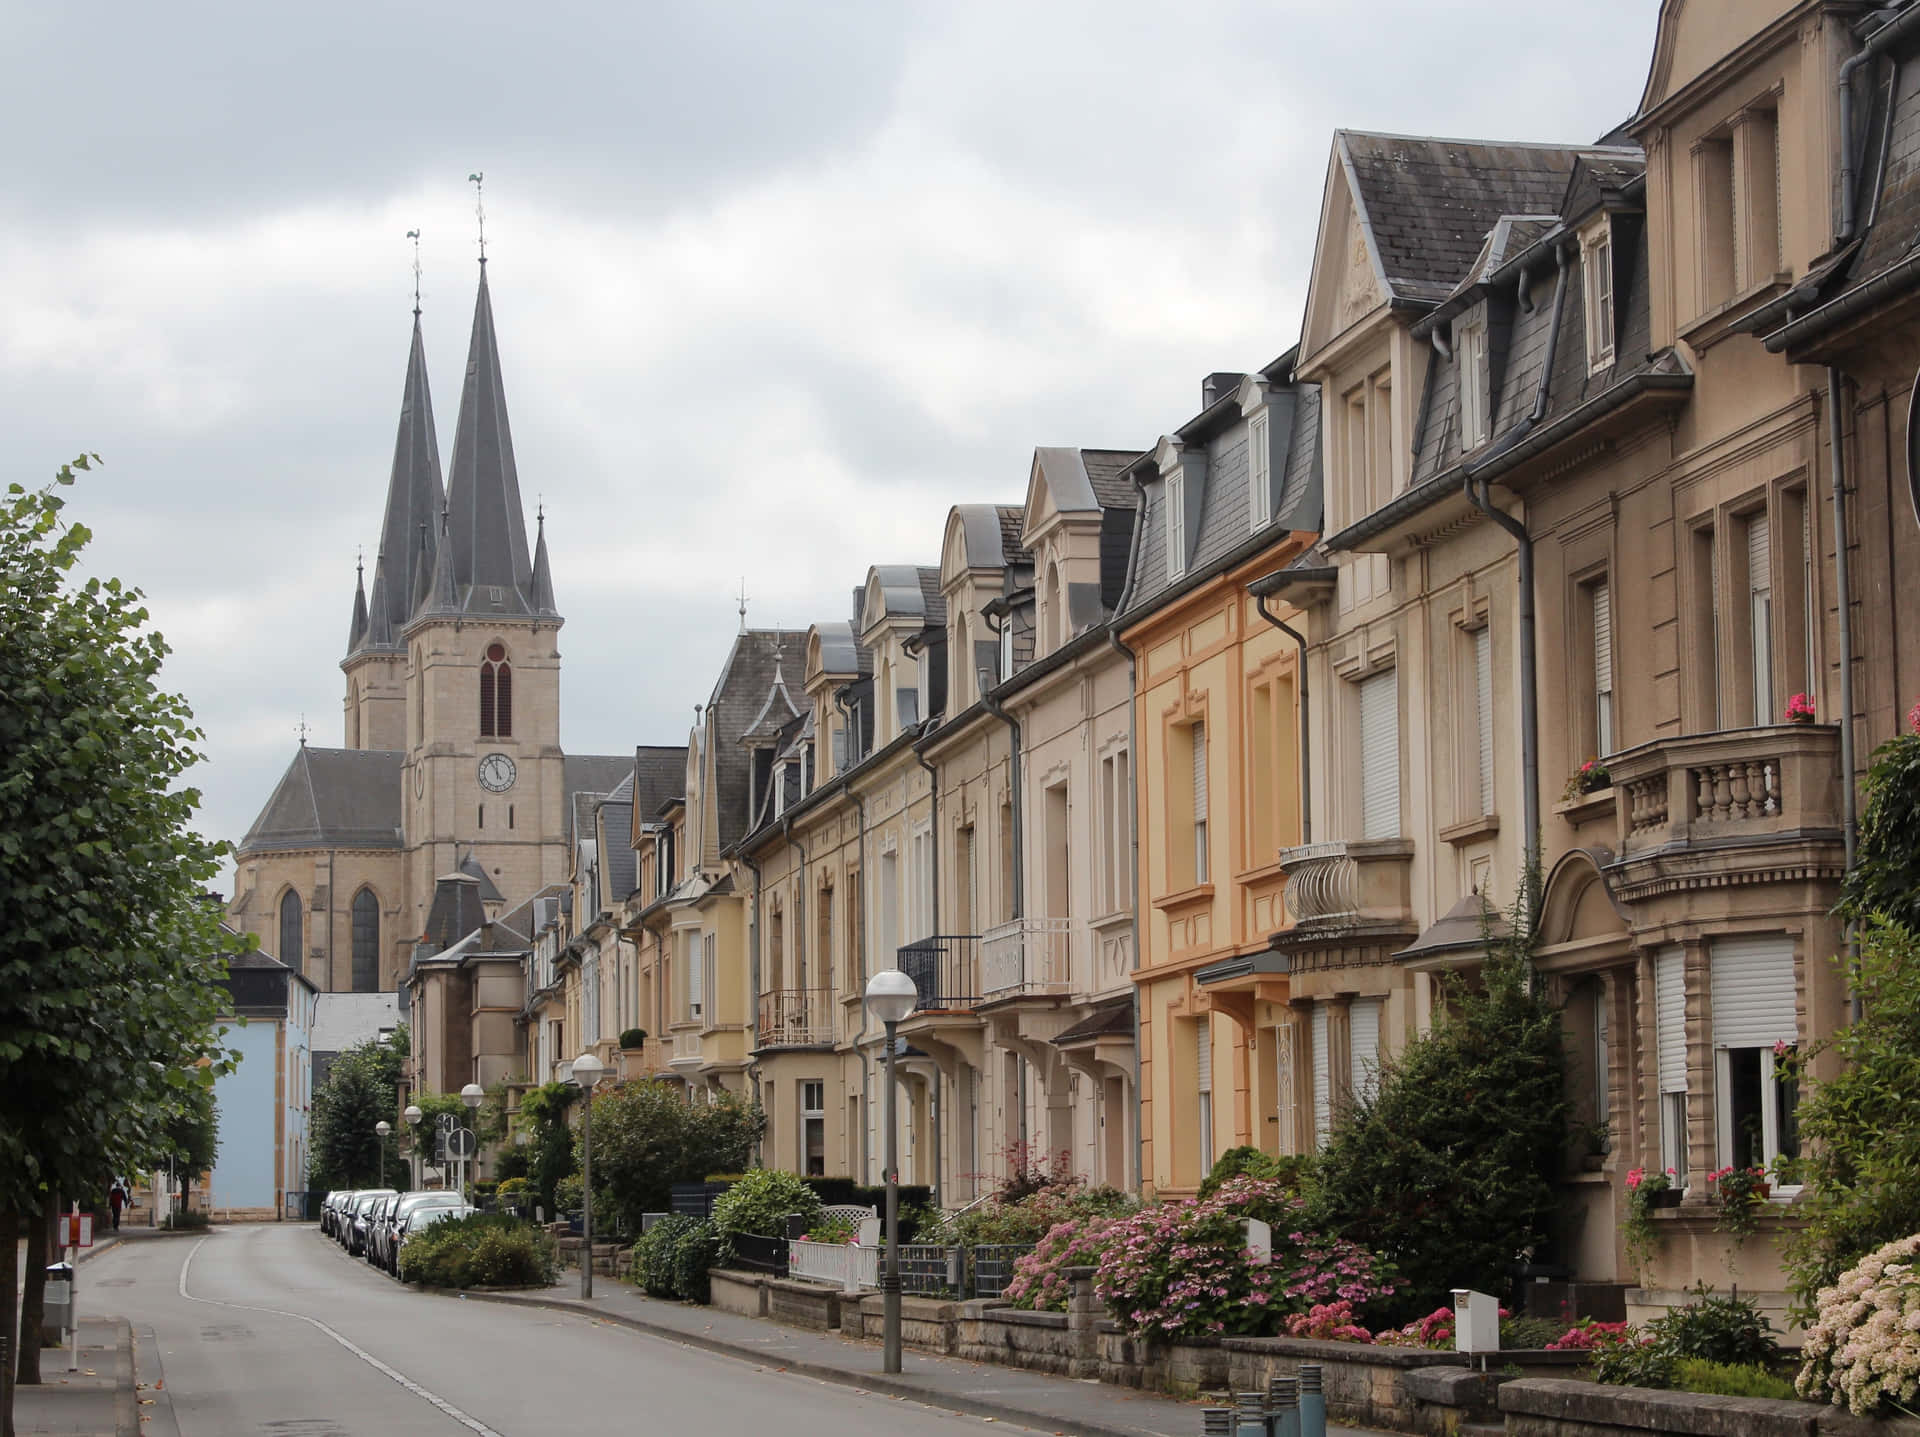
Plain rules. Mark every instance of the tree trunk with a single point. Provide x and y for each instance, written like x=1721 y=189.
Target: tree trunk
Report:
x=34 y=1292
x=9 y=1293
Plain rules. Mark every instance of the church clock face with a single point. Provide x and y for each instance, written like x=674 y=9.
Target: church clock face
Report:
x=496 y=773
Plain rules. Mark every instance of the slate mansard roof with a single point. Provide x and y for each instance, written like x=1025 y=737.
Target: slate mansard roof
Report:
x=331 y=798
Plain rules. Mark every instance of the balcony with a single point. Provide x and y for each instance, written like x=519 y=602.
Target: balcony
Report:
x=687 y=1049
x=1740 y=805
x=1349 y=883
x=1025 y=957
x=943 y=968
x=795 y=1018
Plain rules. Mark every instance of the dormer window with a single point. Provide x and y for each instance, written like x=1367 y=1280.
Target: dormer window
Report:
x=1596 y=268
x=1259 y=472
x=1470 y=369
x=1176 y=501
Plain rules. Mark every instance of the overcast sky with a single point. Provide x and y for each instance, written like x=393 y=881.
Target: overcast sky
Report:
x=776 y=284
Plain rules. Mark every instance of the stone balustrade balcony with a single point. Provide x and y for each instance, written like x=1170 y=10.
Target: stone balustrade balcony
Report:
x=1347 y=883
x=1025 y=956
x=1732 y=788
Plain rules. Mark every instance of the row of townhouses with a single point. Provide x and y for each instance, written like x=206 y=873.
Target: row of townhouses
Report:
x=1178 y=780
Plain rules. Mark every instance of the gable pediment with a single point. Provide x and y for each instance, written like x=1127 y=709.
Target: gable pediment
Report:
x=1347 y=282
x=1695 y=35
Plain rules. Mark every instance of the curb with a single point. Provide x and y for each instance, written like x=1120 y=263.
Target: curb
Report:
x=160 y=1421
x=126 y=1406
x=825 y=1372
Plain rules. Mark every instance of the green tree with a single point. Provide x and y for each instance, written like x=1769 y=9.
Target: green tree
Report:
x=192 y=1136
x=647 y=1137
x=362 y=1089
x=1885 y=877
x=549 y=1151
x=1448 y=1169
x=110 y=948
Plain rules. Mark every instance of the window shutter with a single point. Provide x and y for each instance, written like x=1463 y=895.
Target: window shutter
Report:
x=1363 y=1044
x=1753 y=992
x=1176 y=497
x=1483 y=699
x=1380 y=756
x=1602 y=639
x=1322 y=1078
x=1199 y=733
x=1757 y=550
x=1669 y=1018
x=1259 y=471
x=1203 y=1056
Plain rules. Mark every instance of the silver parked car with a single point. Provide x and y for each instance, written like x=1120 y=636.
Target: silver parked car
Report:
x=387 y=1243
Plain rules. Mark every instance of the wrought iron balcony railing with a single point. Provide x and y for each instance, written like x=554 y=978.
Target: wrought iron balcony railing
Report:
x=945 y=970
x=795 y=1018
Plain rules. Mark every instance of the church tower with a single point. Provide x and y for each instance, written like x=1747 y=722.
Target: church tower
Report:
x=376 y=661
x=484 y=775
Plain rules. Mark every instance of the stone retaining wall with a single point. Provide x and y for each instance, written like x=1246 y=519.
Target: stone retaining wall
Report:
x=1545 y=1407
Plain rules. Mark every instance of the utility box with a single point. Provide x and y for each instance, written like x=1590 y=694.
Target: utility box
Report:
x=1476 y=1321
x=1257 y=1237
x=57 y=1306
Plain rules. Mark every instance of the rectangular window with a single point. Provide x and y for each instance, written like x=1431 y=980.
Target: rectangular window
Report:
x=1483 y=713
x=813 y=1129
x=889 y=897
x=1600 y=601
x=710 y=975
x=1597 y=270
x=1704 y=612
x=1756 y=161
x=1713 y=187
x=1753 y=1019
x=1472 y=377
x=1198 y=739
x=1760 y=616
x=1284 y=1104
x=1380 y=755
x=1259 y=471
x=1363 y=1046
x=1322 y=1077
x=964 y=880
x=1176 y=502
x=1203 y=1080
x=695 y=977
x=1670 y=1046
x=1116 y=811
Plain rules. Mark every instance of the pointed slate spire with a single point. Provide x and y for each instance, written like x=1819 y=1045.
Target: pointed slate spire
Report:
x=380 y=634
x=442 y=593
x=487 y=526
x=357 y=630
x=423 y=549
x=542 y=570
x=414 y=498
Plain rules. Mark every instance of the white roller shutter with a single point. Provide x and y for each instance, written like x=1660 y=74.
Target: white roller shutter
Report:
x=1363 y=1044
x=1322 y=1076
x=1669 y=1018
x=1603 y=667
x=1753 y=992
x=1199 y=732
x=1757 y=551
x=1380 y=756
x=1203 y=1056
x=1483 y=701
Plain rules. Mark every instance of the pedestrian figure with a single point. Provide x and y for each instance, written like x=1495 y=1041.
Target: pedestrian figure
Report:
x=116 y=1199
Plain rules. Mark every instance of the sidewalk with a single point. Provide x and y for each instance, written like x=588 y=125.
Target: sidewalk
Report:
x=98 y=1400
x=1003 y=1394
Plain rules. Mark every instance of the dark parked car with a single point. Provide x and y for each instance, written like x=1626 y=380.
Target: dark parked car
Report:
x=358 y=1215
x=330 y=1211
x=387 y=1240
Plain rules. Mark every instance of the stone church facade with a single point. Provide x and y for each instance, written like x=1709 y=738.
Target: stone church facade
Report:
x=451 y=759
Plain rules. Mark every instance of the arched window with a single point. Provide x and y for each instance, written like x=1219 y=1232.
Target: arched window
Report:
x=366 y=942
x=292 y=943
x=496 y=694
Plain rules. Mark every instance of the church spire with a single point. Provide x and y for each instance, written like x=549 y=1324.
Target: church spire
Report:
x=414 y=499
x=487 y=527
x=357 y=630
x=442 y=593
x=542 y=570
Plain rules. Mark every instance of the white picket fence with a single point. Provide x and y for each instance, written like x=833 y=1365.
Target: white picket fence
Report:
x=844 y=1266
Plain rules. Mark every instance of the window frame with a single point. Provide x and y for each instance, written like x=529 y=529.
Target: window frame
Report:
x=1175 y=492
x=1472 y=382
x=1259 y=470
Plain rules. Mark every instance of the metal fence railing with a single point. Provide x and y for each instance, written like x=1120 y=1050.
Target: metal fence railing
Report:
x=930 y=1270
x=303 y=1206
x=993 y=1266
x=944 y=971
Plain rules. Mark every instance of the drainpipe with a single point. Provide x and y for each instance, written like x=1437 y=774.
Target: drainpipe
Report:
x=1842 y=580
x=933 y=820
x=753 y=981
x=1481 y=499
x=1306 y=752
x=860 y=1038
x=1133 y=804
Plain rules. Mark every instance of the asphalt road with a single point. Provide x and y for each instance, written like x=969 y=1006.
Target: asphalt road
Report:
x=273 y=1329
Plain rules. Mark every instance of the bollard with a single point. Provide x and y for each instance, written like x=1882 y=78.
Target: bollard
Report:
x=1216 y=1422
x=1283 y=1400
x=1250 y=1415
x=1313 y=1402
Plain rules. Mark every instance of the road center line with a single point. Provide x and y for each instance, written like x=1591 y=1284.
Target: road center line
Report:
x=473 y=1424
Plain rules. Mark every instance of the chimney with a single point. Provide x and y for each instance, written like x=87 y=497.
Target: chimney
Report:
x=1217 y=386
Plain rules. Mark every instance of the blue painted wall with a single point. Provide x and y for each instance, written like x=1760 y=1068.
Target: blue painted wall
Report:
x=243 y=1175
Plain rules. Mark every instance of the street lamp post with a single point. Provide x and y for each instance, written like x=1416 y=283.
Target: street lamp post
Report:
x=472 y=1095
x=413 y=1116
x=383 y=1127
x=891 y=996
x=586 y=1072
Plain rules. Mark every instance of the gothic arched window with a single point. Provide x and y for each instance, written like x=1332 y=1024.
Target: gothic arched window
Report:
x=496 y=694
x=366 y=942
x=292 y=943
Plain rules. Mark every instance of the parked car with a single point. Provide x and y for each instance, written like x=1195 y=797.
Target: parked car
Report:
x=388 y=1255
x=357 y=1216
x=376 y=1218
x=331 y=1209
x=422 y=1218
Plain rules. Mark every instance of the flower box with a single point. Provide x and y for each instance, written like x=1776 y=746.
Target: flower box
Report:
x=1666 y=1197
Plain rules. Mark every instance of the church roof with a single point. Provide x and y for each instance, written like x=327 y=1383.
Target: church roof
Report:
x=489 y=891
x=486 y=526
x=592 y=774
x=410 y=524
x=332 y=798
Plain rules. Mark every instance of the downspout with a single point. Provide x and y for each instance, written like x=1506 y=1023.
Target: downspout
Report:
x=753 y=986
x=1306 y=751
x=1133 y=805
x=860 y=1038
x=330 y=904
x=933 y=822
x=1481 y=499
x=1842 y=581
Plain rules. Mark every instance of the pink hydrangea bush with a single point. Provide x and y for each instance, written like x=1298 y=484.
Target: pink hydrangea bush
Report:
x=1863 y=1348
x=1435 y=1330
x=1588 y=1335
x=1182 y=1269
x=1040 y=1277
x=1328 y=1322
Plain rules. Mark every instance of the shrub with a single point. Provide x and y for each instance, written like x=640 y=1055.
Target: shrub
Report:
x=1027 y=1219
x=761 y=1202
x=673 y=1257
x=1448 y=1169
x=1729 y=1330
x=633 y=1038
x=647 y=1137
x=1725 y=1379
x=513 y=1187
x=1861 y=1348
x=486 y=1250
x=1587 y=1334
x=1040 y=1277
x=1328 y=1322
x=837 y=1230
x=568 y=1194
x=1633 y=1359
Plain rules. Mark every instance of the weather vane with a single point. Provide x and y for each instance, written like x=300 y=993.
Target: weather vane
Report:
x=478 y=180
x=414 y=235
x=743 y=603
x=301 y=729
